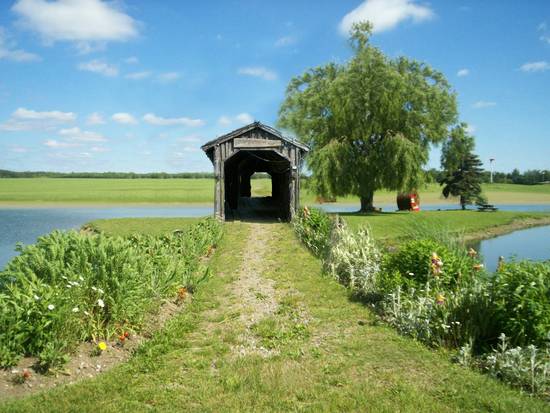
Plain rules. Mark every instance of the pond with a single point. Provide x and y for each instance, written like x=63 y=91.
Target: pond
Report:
x=532 y=244
x=26 y=224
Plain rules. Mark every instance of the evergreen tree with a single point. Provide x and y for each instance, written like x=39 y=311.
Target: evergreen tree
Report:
x=463 y=172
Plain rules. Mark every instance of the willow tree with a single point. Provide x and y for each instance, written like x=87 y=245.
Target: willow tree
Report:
x=369 y=122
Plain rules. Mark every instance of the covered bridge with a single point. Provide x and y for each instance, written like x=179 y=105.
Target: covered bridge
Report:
x=237 y=155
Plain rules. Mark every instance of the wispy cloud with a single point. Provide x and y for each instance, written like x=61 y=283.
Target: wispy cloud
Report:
x=153 y=119
x=138 y=75
x=531 y=67
x=52 y=143
x=124 y=118
x=27 y=119
x=463 y=72
x=258 y=71
x=241 y=119
x=132 y=60
x=285 y=41
x=9 y=51
x=77 y=135
x=386 y=14
x=482 y=104
x=100 y=67
x=168 y=77
x=82 y=21
x=95 y=119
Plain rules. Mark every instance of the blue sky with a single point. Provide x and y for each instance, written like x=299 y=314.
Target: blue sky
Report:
x=88 y=85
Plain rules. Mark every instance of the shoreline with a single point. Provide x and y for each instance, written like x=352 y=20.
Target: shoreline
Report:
x=76 y=204
x=516 y=225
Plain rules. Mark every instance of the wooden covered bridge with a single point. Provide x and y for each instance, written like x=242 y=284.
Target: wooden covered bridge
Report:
x=236 y=156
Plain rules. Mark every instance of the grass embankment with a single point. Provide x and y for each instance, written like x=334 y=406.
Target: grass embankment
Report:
x=325 y=352
x=394 y=226
x=151 y=226
x=76 y=191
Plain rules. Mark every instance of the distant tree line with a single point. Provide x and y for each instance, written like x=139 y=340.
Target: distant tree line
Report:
x=115 y=175
x=529 y=177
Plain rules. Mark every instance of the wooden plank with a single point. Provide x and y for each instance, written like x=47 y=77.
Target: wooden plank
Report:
x=256 y=143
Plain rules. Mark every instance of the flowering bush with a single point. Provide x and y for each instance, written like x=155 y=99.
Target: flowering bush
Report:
x=314 y=227
x=71 y=286
x=418 y=261
x=353 y=258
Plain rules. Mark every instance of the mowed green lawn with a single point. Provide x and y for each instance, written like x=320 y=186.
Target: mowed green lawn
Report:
x=67 y=191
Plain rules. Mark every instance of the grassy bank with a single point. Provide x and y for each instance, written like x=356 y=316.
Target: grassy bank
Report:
x=351 y=364
x=69 y=191
x=394 y=226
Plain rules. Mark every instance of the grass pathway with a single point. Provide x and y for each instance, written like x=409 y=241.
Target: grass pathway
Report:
x=269 y=333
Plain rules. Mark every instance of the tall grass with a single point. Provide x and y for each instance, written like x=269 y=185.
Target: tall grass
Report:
x=72 y=286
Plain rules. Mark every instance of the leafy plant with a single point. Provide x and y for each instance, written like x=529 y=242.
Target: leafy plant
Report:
x=521 y=292
x=71 y=286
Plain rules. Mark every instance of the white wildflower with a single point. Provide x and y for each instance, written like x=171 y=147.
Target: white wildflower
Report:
x=36 y=297
x=75 y=310
x=93 y=288
x=51 y=307
x=101 y=303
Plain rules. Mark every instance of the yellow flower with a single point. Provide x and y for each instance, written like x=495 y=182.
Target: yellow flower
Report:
x=102 y=346
x=440 y=299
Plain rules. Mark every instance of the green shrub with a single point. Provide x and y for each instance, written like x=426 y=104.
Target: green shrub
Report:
x=521 y=295
x=314 y=228
x=412 y=264
x=71 y=286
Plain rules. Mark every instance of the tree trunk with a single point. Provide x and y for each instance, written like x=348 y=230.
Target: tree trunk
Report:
x=462 y=202
x=366 y=202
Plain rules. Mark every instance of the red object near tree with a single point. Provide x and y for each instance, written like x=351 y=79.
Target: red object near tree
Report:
x=408 y=202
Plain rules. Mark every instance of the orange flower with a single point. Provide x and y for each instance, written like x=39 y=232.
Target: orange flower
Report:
x=122 y=337
x=478 y=267
x=182 y=292
x=472 y=253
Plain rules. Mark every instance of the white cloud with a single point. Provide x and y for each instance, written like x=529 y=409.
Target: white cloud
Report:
x=241 y=119
x=99 y=149
x=285 y=41
x=531 y=67
x=463 y=72
x=78 y=21
x=168 y=77
x=95 y=119
x=52 y=143
x=481 y=104
x=244 y=118
x=153 y=119
x=258 y=71
x=385 y=14
x=8 y=50
x=132 y=60
x=138 y=75
x=225 y=120
x=77 y=135
x=124 y=118
x=100 y=67
x=27 y=119
x=190 y=138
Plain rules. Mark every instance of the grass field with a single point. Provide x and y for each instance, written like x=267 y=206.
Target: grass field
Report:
x=339 y=360
x=68 y=191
